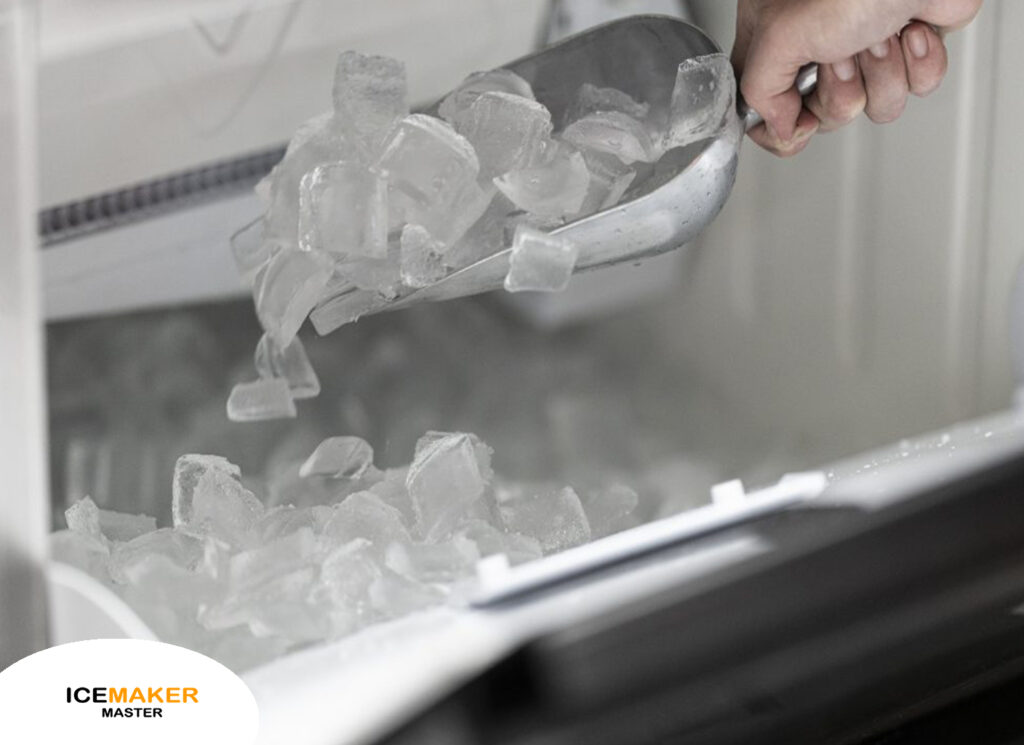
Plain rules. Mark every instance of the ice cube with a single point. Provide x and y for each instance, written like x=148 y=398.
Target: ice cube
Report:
x=319 y=140
x=553 y=185
x=485 y=237
x=287 y=290
x=615 y=133
x=369 y=96
x=121 y=526
x=499 y=81
x=209 y=498
x=393 y=492
x=422 y=262
x=609 y=508
x=252 y=250
x=343 y=209
x=283 y=520
x=505 y=130
x=365 y=515
x=489 y=540
x=289 y=363
x=339 y=458
x=539 y=262
x=702 y=98
x=83 y=551
x=592 y=99
x=449 y=473
x=344 y=584
x=555 y=517
x=433 y=562
x=273 y=558
x=261 y=400
x=432 y=172
x=609 y=180
x=84 y=517
x=275 y=608
x=347 y=307
x=185 y=551
x=393 y=595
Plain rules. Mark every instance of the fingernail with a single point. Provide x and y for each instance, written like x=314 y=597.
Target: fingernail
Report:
x=917 y=40
x=845 y=69
x=881 y=50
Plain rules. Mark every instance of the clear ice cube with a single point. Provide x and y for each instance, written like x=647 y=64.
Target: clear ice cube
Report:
x=370 y=96
x=210 y=499
x=393 y=595
x=339 y=458
x=489 y=540
x=343 y=209
x=539 y=262
x=498 y=81
x=485 y=237
x=553 y=185
x=433 y=562
x=704 y=93
x=615 y=133
x=555 y=517
x=344 y=308
x=122 y=526
x=260 y=400
x=365 y=515
x=608 y=509
x=609 y=180
x=290 y=364
x=184 y=551
x=319 y=140
x=273 y=558
x=432 y=172
x=283 y=520
x=287 y=290
x=422 y=263
x=393 y=492
x=448 y=474
x=346 y=576
x=505 y=130
x=592 y=99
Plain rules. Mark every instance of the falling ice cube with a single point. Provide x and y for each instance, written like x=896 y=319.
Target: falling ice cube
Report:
x=505 y=130
x=369 y=96
x=498 y=81
x=288 y=289
x=339 y=458
x=422 y=263
x=615 y=133
x=261 y=400
x=592 y=99
x=252 y=250
x=553 y=185
x=608 y=509
x=539 y=262
x=84 y=517
x=343 y=209
x=290 y=364
x=432 y=172
x=364 y=515
x=433 y=562
x=208 y=497
x=703 y=96
x=555 y=517
x=448 y=474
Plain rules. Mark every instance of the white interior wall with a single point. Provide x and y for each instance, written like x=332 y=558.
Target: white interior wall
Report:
x=859 y=292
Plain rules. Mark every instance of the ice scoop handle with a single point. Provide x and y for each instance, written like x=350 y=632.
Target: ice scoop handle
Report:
x=806 y=82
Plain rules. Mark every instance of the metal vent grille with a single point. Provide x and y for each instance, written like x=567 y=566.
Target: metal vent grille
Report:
x=133 y=203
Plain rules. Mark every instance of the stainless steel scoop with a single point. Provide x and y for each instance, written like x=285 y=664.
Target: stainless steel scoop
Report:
x=665 y=208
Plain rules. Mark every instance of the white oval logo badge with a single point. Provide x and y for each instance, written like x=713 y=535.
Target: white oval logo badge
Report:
x=116 y=691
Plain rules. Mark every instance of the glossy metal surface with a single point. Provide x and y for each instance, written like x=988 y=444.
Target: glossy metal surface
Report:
x=669 y=207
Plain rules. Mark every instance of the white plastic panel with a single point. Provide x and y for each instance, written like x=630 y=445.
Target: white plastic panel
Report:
x=134 y=90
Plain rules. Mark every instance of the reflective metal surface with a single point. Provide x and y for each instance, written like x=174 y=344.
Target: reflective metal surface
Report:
x=667 y=208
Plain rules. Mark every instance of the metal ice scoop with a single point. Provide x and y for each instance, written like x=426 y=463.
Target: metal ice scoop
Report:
x=665 y=208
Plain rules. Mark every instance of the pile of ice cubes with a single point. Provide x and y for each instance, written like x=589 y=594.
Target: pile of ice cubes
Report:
x=245 y=583
x=372 y=197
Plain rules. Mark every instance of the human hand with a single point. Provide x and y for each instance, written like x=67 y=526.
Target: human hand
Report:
x=871 y=53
